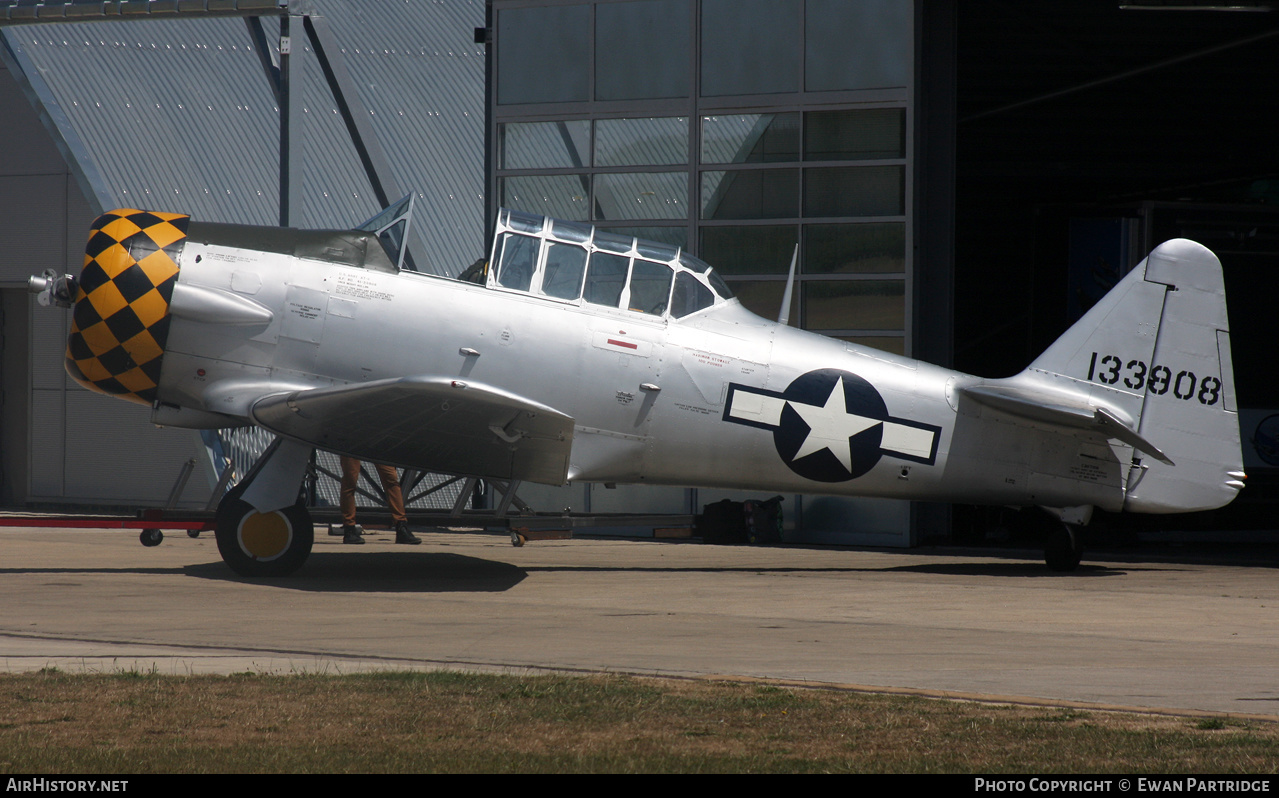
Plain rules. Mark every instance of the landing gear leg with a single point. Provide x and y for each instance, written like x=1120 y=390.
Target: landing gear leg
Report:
x=275 y=542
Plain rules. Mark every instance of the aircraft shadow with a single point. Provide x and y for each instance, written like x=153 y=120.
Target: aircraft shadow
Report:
x=389 y=572
x=941 y=569
x=1009 y=569
x=454 y=573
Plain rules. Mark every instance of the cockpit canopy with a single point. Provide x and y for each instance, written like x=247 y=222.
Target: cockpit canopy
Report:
x=576 y=263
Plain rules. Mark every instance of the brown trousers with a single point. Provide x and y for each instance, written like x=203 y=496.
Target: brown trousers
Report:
x=390 y=484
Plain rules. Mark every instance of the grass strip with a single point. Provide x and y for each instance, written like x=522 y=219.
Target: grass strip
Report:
x=449 y=722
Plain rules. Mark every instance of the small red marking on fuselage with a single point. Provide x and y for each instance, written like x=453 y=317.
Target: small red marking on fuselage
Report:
x=626 y=344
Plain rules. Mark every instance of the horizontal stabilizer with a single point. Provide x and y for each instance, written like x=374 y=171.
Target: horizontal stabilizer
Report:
x=1056 y=410
x=433 y=423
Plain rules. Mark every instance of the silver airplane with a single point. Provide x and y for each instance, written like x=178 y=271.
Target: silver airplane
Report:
x=574 y=354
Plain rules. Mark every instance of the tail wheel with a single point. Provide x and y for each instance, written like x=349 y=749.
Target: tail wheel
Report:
x=1064 y=547
x=263 y=544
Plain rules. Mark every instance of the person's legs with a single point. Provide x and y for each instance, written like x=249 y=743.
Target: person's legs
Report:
x=395 y=500
x=346 y=500
x=394 y=495
x=346 y=497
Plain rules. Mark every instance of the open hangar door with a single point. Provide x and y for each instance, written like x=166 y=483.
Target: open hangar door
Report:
x=1156 y=116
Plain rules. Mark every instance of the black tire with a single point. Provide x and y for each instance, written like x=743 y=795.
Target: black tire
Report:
x=263 y=544
x=1063 y=548
x=151 y=537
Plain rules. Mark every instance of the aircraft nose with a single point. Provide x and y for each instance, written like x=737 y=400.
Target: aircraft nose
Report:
x=121 y=318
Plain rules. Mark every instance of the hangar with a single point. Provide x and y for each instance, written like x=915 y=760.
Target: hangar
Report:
x=961 y=179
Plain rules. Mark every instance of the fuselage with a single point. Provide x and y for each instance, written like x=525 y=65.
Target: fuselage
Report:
x=665 y=377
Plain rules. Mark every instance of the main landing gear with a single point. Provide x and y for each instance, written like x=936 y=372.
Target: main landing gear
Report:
x=275 y=542
x=1062 y=532
x=1064 y=547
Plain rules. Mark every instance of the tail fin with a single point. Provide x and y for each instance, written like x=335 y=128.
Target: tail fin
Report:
x=1154 y=355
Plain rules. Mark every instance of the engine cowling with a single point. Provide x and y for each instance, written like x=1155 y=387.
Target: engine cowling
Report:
x=120 y=321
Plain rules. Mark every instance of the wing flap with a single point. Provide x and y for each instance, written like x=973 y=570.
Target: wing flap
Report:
x=432 y=423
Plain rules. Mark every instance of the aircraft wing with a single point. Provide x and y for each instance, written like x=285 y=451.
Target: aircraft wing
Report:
x=1029 y=404
x=433 y=423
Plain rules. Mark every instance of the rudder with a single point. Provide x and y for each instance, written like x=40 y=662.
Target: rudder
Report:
x=1189 y=402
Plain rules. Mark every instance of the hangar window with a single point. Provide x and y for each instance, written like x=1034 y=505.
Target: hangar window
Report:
x=751 y=46
x=638 y=54
x=526 y=75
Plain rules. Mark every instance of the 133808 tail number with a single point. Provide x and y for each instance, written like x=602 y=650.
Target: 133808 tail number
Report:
x=1159 y=380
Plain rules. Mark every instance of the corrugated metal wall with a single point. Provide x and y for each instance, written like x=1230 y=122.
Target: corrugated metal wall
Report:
x=177 y=114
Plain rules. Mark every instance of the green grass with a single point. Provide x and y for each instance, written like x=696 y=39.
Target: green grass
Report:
x=137 y=722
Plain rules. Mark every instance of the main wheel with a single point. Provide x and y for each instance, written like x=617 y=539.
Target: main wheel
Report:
x=1064 y=547
x=263 y=544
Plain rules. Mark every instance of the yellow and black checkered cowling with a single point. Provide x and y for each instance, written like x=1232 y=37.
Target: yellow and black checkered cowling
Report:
x=121 y=317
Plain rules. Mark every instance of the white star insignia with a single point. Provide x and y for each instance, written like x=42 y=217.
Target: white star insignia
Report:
x=830 y=426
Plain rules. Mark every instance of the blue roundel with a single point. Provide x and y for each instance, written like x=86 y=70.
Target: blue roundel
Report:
x=831 y=427
x=1265 y=439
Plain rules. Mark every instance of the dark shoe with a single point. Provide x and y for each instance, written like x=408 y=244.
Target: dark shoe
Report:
x=403 y=535
x=336 y=531
x=353 y=534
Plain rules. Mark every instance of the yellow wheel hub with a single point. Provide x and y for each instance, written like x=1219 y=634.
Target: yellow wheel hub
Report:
x=265 y=536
